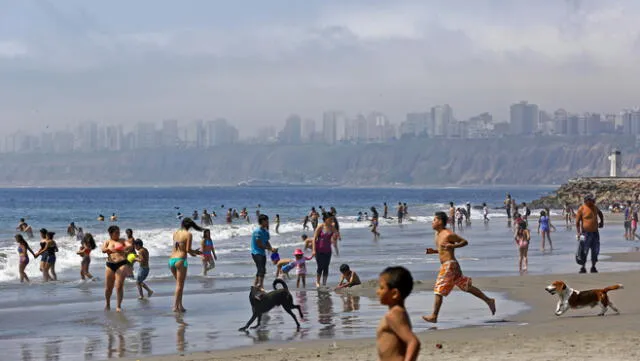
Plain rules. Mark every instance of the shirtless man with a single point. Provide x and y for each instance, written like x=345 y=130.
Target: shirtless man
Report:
x=450 y=274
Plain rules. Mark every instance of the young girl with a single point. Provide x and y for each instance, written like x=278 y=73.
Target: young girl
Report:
x=544 y=225
x=23 y=248
x=208 y=252
x=88 y=245
x=522 y=239
x=301 y=267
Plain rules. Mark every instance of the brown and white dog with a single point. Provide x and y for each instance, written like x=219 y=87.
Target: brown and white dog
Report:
x=570 y=298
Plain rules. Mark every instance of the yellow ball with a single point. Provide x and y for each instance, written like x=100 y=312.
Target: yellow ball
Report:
x=131 y=258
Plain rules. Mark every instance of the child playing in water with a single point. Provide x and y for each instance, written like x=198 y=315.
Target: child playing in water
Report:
x=348 y=278
x=394 y=338
x=301 y=267
x=280 y=264
x=143 y=270
x=522 y=239
x=308 y=243
x=208 y=252
x=88 y=244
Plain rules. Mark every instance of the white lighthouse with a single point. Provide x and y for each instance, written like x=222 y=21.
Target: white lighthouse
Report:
x=615 y=159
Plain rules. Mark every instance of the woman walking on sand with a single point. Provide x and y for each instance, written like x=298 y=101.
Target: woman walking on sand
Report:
x=544 y=226
x=182 y=240
x=522 y=238
x=23 y=248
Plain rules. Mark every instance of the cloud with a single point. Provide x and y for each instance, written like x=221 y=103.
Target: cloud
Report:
x=82 y=61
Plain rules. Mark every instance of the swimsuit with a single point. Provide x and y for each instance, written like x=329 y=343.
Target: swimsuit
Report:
x=207 y=250
x=544 y=224
x=450 y=275
x=522 y=242
x=173 y=261
x=114 y=266
x=23 y=259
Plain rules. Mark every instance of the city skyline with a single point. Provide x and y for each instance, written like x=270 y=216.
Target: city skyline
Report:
x=526 y=119
x=255 y=63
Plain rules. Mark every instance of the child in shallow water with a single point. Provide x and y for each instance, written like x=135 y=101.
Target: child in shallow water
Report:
x=522 y=238
x=301 y=267
x=348 y=278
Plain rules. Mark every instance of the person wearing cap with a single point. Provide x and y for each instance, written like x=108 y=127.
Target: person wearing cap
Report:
x=588 y=220
x=301 y=267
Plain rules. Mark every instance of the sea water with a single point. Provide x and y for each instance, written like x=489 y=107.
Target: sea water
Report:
x=64 y=319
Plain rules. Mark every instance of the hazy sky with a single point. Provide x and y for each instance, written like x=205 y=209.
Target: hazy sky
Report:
x=255 y=62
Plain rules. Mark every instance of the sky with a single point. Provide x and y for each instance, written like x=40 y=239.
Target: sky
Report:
x=255 y=62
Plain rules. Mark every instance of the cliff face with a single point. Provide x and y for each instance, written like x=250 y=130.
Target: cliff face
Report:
x=411 y=162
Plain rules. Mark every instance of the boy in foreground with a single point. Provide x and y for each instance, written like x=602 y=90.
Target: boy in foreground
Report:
x=450 y=273
x=143 y=269
x=394 y=338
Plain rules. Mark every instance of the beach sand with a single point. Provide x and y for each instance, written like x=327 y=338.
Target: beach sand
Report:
x=536 y=334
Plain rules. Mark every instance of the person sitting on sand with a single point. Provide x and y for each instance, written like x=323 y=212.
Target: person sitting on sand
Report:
x=348 y=278
x=394 y=338
x=450 y=273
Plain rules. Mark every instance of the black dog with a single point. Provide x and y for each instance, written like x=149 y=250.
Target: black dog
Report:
x=278 y=297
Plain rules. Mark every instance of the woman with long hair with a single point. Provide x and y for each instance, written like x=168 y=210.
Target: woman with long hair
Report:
x=48 y=260
x=23 y=248
x=88 y=245
x=522 y=239
x=325 y=236
x=182 y=241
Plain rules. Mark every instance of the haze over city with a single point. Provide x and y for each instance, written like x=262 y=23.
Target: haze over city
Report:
x=255 y=62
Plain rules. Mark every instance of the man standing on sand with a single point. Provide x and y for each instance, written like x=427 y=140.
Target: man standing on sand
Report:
x=507 y=206
x=259 y=245
x=587 y=233
x=450 y=273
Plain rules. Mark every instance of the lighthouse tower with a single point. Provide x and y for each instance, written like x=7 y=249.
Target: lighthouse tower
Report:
x=615 y=159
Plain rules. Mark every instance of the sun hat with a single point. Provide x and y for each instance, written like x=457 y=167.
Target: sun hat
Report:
x=298 y=252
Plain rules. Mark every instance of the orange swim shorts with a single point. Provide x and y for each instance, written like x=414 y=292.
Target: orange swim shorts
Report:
x=450 y=275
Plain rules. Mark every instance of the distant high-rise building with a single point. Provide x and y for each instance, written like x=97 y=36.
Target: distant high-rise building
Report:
x=146 y=136
x=220 y=132
x=631 y=122
x=573 y=121
x=524 y=118
x=170 y=137
x=441 y=116
x=560 y=121
x=87 y=137
x=415 y=124
x=292 y=131
x=308 y=129
x=112 y=138
x=63 y=142
x=330 y=127
x=195 y=135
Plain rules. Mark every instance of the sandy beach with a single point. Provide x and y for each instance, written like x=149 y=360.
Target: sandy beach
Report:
x=536 y=334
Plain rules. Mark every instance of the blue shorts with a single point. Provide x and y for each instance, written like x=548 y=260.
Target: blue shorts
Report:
x=142 y=274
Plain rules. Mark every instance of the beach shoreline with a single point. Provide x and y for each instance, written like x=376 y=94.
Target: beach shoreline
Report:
x=539 y=333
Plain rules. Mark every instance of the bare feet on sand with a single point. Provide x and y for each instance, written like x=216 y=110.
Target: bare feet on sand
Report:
x=432 y=318
x=492 y=306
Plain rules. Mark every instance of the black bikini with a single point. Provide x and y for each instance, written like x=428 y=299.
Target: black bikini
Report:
x=114 y=266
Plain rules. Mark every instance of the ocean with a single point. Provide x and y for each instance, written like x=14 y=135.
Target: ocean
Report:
x=56 y=320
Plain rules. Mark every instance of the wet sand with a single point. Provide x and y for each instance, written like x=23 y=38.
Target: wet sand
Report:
x=536 y=334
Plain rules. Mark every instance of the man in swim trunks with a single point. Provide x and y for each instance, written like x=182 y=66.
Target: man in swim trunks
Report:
x=450 y=273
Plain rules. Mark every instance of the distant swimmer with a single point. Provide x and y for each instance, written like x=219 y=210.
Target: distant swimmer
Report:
x=179 y=216
x=24 y=227
x=100 y=218
x=194 y=216
x=113 y=217
x=71 y=230
x=385 y=213
x=400 y=212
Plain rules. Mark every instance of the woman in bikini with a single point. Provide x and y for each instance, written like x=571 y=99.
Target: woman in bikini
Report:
x=88 y=245
x=48 y=253
x=182 y=240
x=116 y=265
x=23 y=248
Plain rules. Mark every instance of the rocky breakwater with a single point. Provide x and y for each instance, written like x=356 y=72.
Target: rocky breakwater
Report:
x=608 y=192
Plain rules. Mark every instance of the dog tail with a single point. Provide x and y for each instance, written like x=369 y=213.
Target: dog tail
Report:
x=611 y=288
x=281 y=282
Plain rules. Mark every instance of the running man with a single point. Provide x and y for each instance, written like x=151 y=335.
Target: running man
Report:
x=450 y=273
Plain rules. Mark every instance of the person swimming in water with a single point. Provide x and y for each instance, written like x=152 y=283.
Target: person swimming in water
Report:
x=25 y=228
x=113 y=218
x=182 y=240
x=100 y=218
